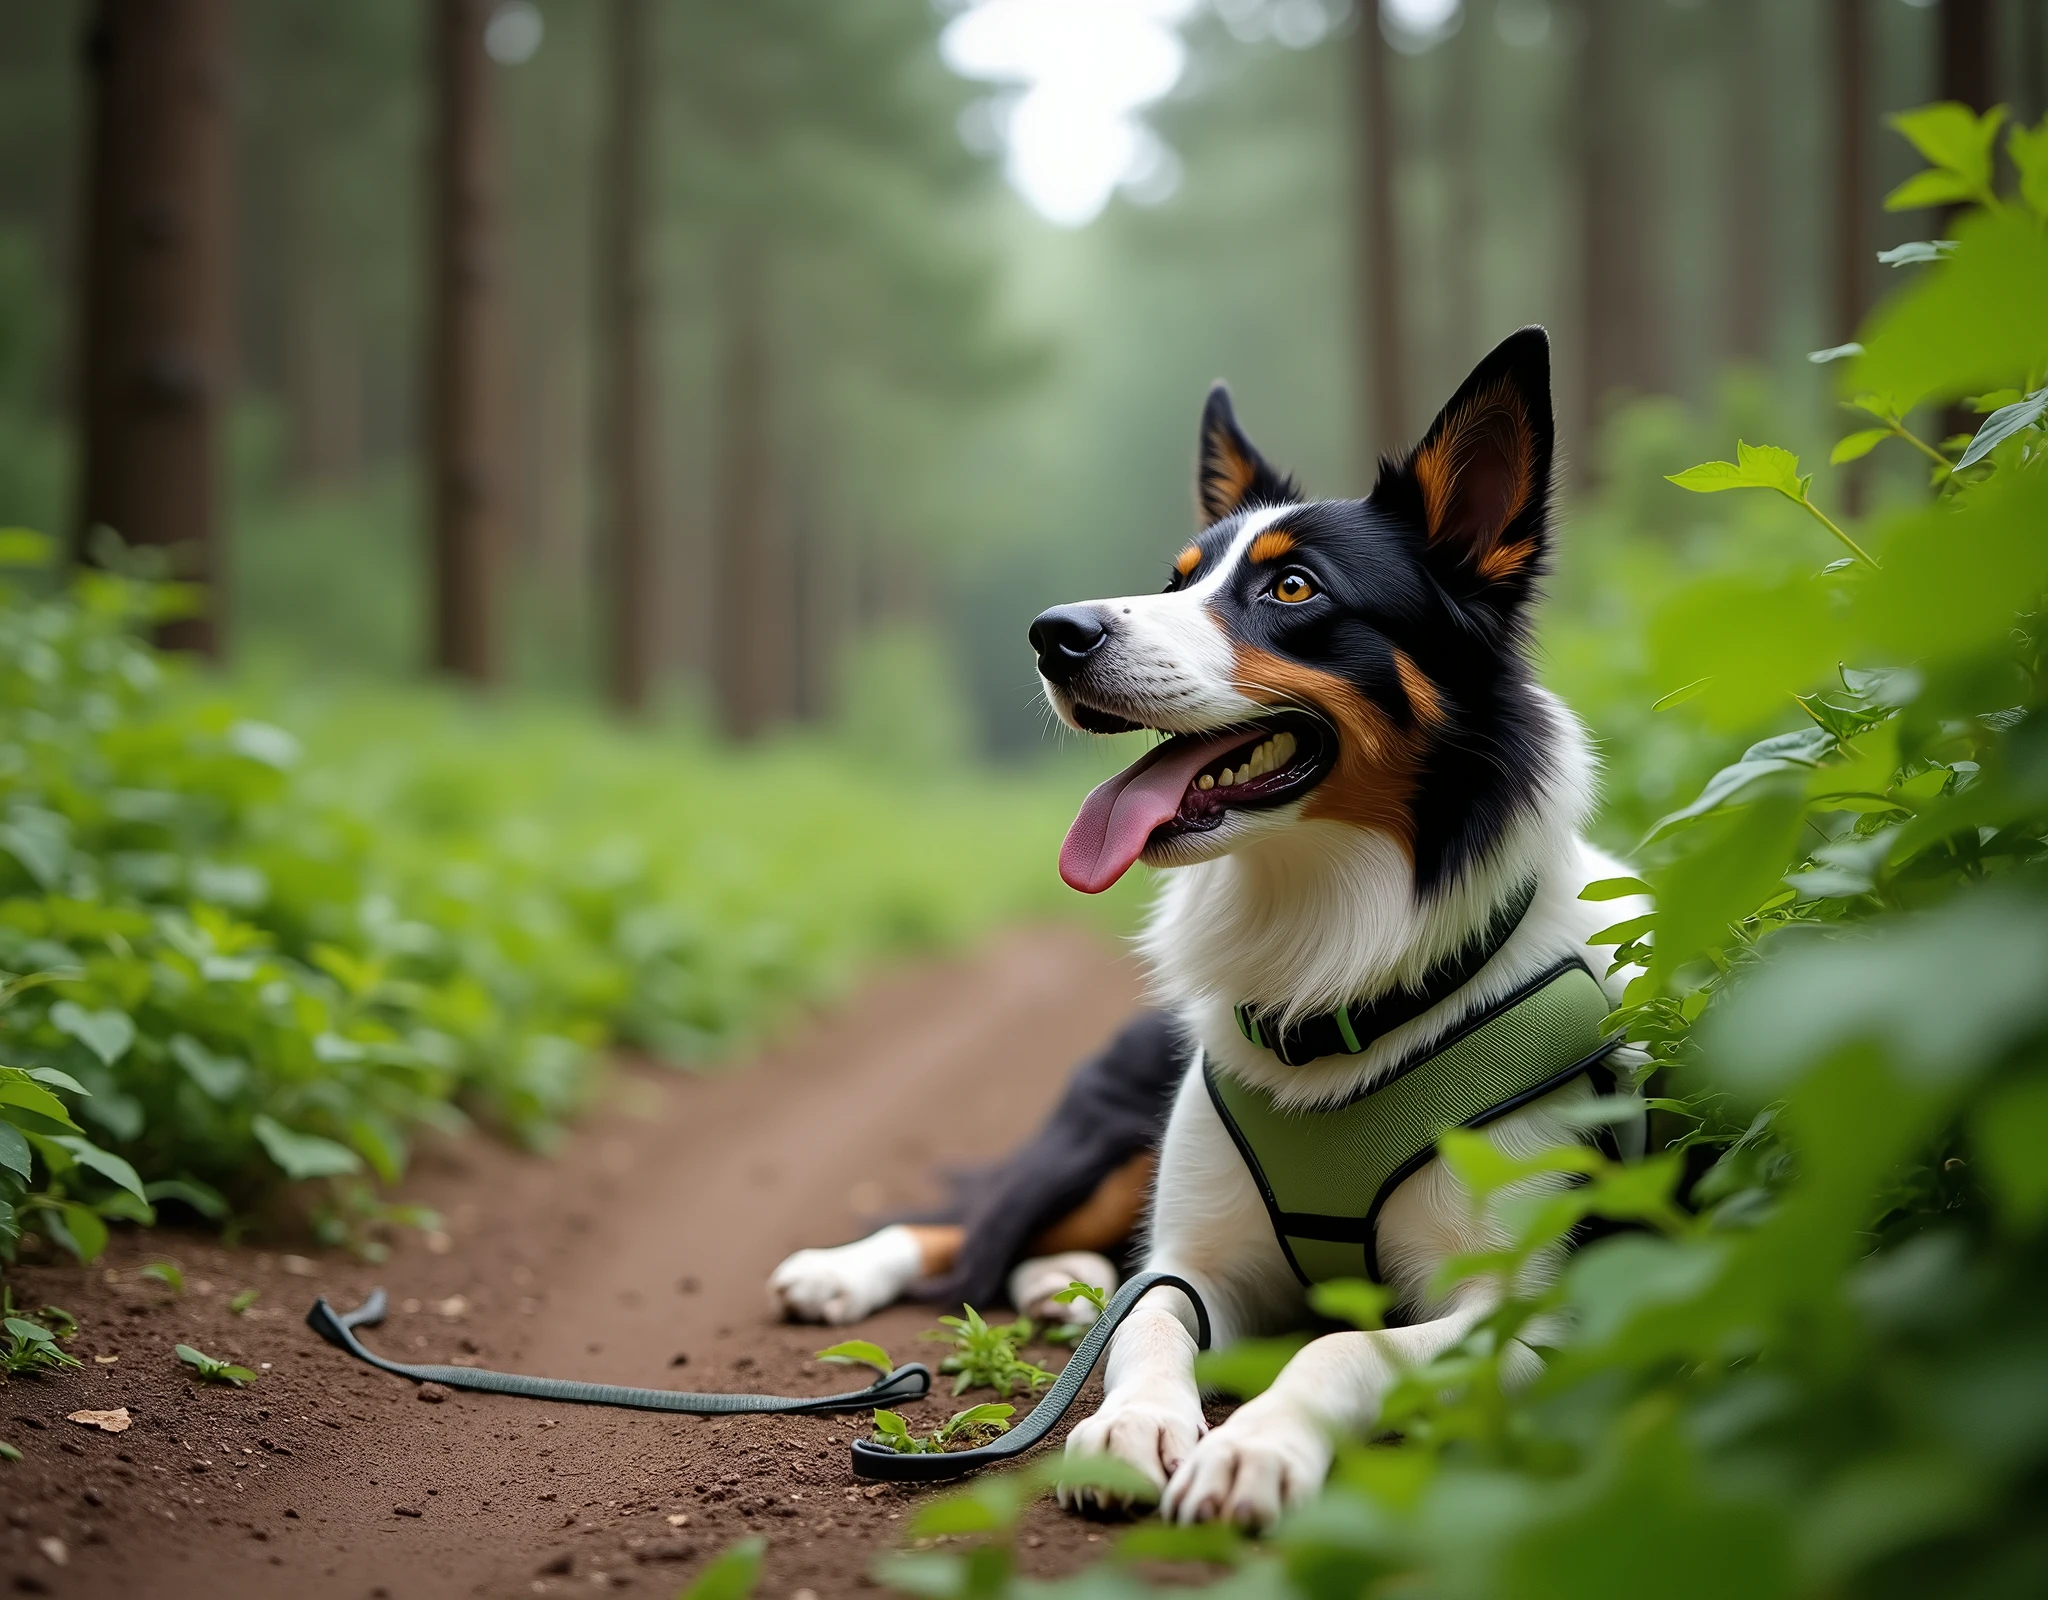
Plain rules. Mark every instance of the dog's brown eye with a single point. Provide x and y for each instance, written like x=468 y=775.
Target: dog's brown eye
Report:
x=1293 y=588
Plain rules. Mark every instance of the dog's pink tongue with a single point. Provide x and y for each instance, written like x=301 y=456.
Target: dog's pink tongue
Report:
x=1118 y=816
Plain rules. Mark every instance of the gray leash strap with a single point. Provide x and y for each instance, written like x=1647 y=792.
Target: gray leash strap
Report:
x=911 y=1382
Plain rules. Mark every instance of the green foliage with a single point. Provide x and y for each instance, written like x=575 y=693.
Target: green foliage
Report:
x=985 y=1354
x=31 y=1348
x=1077 y=1291
x=243 y=1300
x=1822 y=1372
x=252 y=956
x=964 y=1430
x=858 y=1352
x=167 y=1273
x=213 y=1369
x=732 y=1576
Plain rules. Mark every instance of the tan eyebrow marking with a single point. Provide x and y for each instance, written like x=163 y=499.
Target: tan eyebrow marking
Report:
x=1188 y=560
x=1422 y=695
x=1271 y=545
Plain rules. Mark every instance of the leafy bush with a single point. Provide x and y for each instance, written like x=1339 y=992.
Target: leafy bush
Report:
x=267 y=955
x=1827 y=1375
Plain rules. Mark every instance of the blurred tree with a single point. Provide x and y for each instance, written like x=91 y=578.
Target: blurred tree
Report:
x=626 y=483
x=1969 y=52
x=1617 y=214
x=1382 y=360
x=465 y=466
x=1850 y=253
x=155 y=361
x=752 y=592
x=1747 y=178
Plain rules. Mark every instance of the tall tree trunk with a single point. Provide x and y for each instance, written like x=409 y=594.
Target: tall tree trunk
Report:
x=750 y=580
x=1850 y=290
x=1382 y=365
x=154 y=336
x=1465 y=117
x=1613 y=216
x=626 y=490
x=1747 y=178
x=1969 y=52
x=468 y=499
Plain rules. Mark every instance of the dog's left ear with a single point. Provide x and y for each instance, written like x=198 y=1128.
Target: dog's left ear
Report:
x=1231 y=475
x=1479 y=482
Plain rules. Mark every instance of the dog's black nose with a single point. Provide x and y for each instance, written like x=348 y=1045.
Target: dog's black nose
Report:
x=1066 y=636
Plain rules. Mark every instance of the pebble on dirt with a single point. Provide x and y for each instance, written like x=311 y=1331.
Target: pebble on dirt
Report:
x=434 y=1393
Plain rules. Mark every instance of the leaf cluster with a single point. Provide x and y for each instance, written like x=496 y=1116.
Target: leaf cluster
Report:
x=984 y=1354
x=964 y=1430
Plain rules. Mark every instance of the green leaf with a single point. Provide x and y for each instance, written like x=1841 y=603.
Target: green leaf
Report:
x=1834 y=352
x=1353 y=1300
x=858 y=1352
x=1625 y=931
x=77 y=1229
x=1858 y=445
x=1732 y=785
x=104 y=1162
x=202 y=1198
x=303 y=1155
x=1217 y=1544
x=106 y=1033
x=1613 y=888
x=59 y=1080
x=30 y=1332
x=1109 y=1474
x=1957 y=142
x=1248 y=1366
x=1731 y=865
x=244 y=1299
x=167 y=1273
x=1917 y=252
x=8 y=1452
x=213 y=1369
x=1930 y=188
x=2002 y=424
x=15 y=1154
x=1679 y=696
x=1761 y=466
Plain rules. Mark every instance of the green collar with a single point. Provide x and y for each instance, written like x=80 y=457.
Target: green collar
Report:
x=1354 y=1029
x=1326 y=1173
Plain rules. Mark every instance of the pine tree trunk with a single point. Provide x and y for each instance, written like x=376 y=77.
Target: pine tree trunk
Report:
x=1465 y=115
x=1969 y=52
x=468 y=498
x=626 y=486
x=1850 y=290
x=1619 y=348
x=751 y=590
x=1382 y=365
x=155 y=326
x=1747 y=179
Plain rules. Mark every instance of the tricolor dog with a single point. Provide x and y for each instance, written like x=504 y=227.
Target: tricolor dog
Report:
x=1368 y=925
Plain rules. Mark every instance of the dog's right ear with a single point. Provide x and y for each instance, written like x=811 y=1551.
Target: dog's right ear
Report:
x=1230 y=475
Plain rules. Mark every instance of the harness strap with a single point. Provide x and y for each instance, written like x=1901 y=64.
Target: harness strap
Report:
x=909 y=1382
x=1325 y=1173
x=1356 y=1028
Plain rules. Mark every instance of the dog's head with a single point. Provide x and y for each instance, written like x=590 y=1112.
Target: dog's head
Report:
x=1354 y=661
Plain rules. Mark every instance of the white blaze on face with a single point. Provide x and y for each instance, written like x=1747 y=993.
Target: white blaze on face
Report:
x=1168 y=662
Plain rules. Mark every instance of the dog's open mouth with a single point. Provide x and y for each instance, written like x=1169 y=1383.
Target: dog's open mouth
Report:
x=1190 y=784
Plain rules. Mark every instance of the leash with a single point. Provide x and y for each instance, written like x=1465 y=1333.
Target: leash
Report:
x=911 y=1381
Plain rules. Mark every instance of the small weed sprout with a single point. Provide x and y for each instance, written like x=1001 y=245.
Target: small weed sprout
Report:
x=1098 y=1298
x=964 y=1430
x=244 y=1300
x=59 y=1321
x=30 y=1347
x=213 y=1369
x=8 y=1452
x=985 y=1355
x=858 y=1353
x=167 y=1273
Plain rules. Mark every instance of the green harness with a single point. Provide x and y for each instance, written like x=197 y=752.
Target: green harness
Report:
x=1324 y=1173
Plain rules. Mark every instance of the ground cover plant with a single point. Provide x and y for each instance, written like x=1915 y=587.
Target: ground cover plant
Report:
x=259 y=937
x=984 y=1354
x=1825 y=1370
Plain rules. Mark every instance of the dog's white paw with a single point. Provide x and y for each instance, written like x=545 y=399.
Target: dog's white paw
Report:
x=1265 y=1460
x=1033 y=1284
x=847 y=1282
x=1152 y=1428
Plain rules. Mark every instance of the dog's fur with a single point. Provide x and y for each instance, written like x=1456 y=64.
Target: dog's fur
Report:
x=1437 y=778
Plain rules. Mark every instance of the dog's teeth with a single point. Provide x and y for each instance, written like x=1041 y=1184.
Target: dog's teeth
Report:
x=1225 y=778
x=1205 y=782
x=1244 y=773
x=1286 y=743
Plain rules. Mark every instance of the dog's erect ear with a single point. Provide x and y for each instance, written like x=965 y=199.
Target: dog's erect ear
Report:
x=1229 y=474
x=1479 y=483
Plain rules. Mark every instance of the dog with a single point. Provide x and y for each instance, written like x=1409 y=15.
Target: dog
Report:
x=1360 y=775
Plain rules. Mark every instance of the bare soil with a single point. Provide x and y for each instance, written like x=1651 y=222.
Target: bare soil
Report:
x=636 y=1255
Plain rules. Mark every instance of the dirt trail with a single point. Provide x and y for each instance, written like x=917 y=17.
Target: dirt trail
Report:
x=642 y=1245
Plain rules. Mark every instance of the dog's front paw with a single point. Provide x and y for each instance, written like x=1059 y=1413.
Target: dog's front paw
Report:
x=1263 y=1461
x=1034 y=1283
x=847 y=1282
x=1152 y=1429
